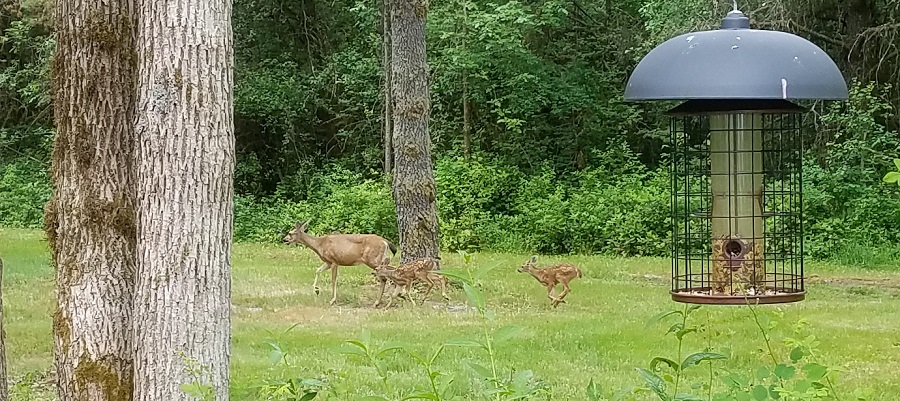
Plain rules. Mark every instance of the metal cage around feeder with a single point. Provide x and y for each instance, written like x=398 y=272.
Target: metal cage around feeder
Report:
x=736 y=157
x=737 y=209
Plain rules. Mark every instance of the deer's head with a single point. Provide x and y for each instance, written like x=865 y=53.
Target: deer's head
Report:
x=295 y=235
x=527 y=266
x=383 y=270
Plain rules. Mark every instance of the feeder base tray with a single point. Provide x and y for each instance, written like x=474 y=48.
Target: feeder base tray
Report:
x=705 y=296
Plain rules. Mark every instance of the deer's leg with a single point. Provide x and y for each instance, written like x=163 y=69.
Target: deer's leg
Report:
x=550 y=288
x=566 y=290
x=427 y=290
x=380 y=293
x=407 y=292
x=334 y=271
x=395 y=294
x=316 y=281
x=443 y=283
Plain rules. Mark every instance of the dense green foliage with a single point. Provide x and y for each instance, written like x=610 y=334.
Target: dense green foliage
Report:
x=559 y=162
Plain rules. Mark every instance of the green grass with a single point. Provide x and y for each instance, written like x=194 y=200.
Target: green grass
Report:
x=600 y=333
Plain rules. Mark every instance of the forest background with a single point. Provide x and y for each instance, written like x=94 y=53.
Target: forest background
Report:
x=535 y=149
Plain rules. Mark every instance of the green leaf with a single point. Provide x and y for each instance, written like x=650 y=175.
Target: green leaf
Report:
x=654 y=363
x=194 y=390
x=457 y=274
x=687 y=397
x=815 y=371
x=897 y=163
x=481 y=371
x=314 y=383
x=785 y=372
x=388 y=348
x=359 y=345
x=743 y=397
x=653 y=320
x=276 y=356
x=619 y=395
x=506 y=333
x=762 y=374
x=593 y=391
x=475 y=296
x=892 y=177
x=485 y=270
x=773 y=392
x=656 y=383
x=797 y=354
x=735 y=380
x=681 y=333
x=308 y=396
x=760 y=393
x=675 y=328
x=464 y=343
x=353 y=351
x=802 y=385
x=695 y=358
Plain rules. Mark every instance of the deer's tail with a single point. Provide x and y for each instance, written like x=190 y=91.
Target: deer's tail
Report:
x=578 y=271
x=391 y=247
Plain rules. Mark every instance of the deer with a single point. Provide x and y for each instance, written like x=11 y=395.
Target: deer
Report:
x=551 y=276
x=342 y=250
x=406 y=275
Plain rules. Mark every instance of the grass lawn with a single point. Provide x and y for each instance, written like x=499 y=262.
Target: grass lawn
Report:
x=598 y=334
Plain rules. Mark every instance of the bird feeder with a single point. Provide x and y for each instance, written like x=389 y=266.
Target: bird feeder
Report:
x=736 y=156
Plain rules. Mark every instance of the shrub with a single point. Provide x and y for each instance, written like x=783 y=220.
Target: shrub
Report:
x=24 y=189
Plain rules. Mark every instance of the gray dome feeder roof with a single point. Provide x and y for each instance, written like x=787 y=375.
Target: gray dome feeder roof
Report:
x=736 y=62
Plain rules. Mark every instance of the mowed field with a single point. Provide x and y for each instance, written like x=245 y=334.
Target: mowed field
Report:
x=599 y=334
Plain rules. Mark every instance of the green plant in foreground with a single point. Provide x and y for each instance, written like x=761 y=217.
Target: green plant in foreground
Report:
x=516 y=385
x=893 y=177
x=288 y=388
x=799 y=377
x=197 y=389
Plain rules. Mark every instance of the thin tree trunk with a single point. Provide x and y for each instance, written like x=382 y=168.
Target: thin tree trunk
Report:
x=185 y=131
x=89 y=220
x=467 y=108
x=388 y=103
x=414 y=188
x=4 y=384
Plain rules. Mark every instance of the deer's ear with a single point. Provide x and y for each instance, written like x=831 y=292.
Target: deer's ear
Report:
x=305 y=226
x=533 y=259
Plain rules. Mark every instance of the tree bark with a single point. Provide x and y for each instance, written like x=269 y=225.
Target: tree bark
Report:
x=89 y=220
x=186 y=153
x=414 y=188
x=4 y=384
x=388 y=102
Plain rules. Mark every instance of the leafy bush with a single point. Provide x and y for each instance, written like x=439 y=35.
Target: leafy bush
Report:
x=24 y=189
x=365 y=207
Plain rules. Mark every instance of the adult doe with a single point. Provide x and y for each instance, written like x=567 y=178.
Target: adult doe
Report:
x=342 y=250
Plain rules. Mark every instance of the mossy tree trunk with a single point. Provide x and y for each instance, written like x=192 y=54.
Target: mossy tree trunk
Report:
x=4 y=389
x=90 y=216
x=414 y=188
x=186 y=151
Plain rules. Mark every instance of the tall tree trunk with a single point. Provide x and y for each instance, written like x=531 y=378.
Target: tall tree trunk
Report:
x=414 y=189
x=185 y=129
x=467 y=107
x=4 y=389
x=89 y=220
x=388 y=102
